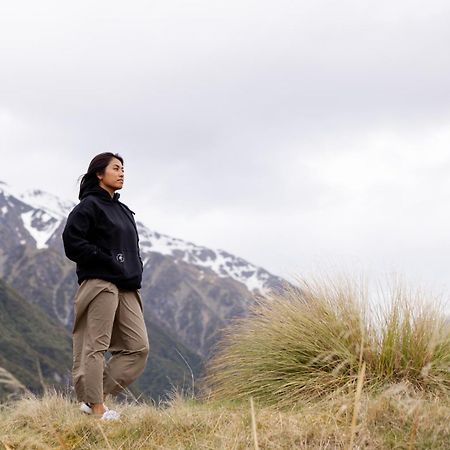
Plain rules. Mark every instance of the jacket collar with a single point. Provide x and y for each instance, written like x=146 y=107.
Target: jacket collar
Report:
x=98 y=191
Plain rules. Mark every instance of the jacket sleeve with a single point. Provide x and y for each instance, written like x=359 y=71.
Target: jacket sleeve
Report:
x=137 y=234
x=75 y=237
x=138 y=246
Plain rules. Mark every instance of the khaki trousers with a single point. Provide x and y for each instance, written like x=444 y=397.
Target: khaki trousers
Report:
x=107 y=319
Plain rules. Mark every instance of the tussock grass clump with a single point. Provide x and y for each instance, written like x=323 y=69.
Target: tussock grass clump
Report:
x=310 y=342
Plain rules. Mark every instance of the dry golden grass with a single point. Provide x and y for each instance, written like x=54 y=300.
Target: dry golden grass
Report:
x=398 y=417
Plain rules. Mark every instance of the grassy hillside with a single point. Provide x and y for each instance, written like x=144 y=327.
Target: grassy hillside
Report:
x=397 y=418
x=30 y=342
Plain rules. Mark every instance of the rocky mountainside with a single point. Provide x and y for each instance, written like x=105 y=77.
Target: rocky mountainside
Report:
x=33 y=349
x=191 y=290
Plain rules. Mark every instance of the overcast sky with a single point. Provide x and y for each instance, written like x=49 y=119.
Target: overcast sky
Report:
x=303 y=136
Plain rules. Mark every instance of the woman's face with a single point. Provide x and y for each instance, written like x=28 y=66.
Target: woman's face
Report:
x=113 y=176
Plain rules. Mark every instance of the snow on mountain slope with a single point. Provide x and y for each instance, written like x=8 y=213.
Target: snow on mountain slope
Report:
x=46 y=211
x=39 y=199
x=221 y=262
x=50 y=203
x=40 y=225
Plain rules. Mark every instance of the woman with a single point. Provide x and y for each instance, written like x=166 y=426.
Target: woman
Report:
x=101 y=237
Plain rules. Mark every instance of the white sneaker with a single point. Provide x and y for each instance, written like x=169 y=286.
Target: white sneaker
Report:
x=86 y=408
x=110 y=414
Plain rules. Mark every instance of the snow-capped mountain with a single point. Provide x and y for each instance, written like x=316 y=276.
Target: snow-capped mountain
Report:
x=43 y=213
x=219 y=261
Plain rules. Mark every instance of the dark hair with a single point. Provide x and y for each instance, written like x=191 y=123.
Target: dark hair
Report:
x=98 y=164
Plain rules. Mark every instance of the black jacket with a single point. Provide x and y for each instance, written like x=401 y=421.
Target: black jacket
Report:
x=101 y=237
